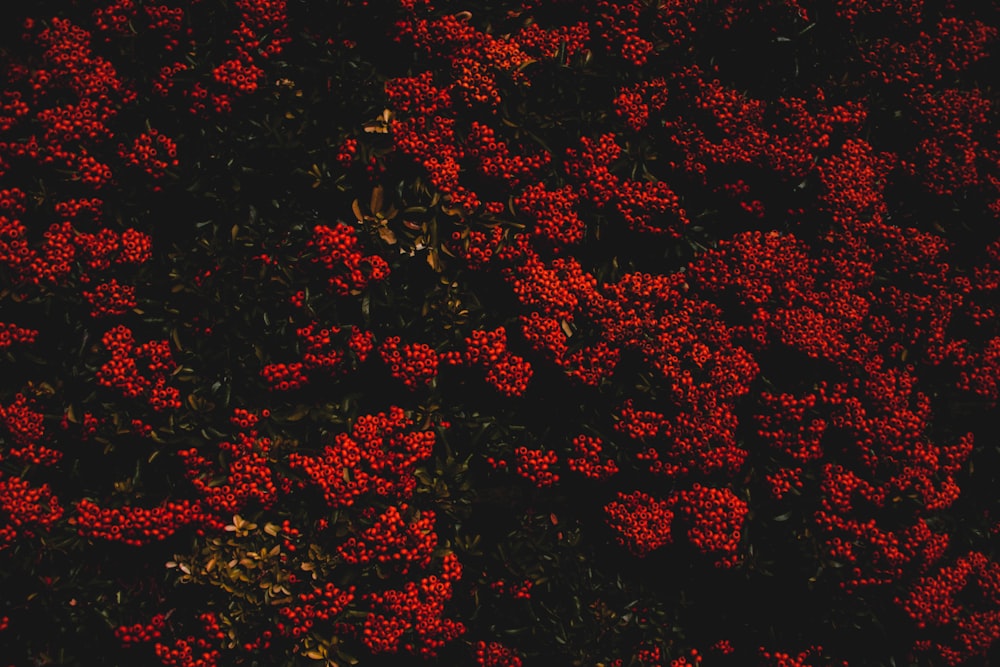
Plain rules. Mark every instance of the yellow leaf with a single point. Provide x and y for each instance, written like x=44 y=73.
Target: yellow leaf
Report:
x=377 y=199
x=387 y=235
x=434 y=260
x=356 y=207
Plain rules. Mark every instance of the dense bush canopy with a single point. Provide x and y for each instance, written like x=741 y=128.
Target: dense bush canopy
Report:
x=565 y=332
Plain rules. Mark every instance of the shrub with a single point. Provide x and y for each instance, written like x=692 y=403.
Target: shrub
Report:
x=592 y=332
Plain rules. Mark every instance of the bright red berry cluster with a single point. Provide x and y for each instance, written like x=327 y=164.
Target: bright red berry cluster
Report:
x=412 y=619
x=377 y=457
x=962 y=601
x=134 y=526
x=714 y=519
x=152 y=152
x=506 y=372
x=536 y=466
x=110 y=299
x=587 y=460
x=331 y=351
x=495 y=654
x=245 y=480
x=27 y=510
x=11 y=334
x=416 y=364
x=348 y=270
x=398 y=538
x=122 y=371
x=642 y=522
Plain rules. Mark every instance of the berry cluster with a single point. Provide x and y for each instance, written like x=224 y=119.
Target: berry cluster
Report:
x=519 y=591
x=151 y=152
x=642 y=522
x=536 y=466
x=378 y=456
x=27 y=510
x=245 y=480
x=782 y=659
x=135 y=526
x=635 y=102
x=322 y=604
x=26 y=430
x=495 y=654
x=553 y=213
x=714 y=519
x=239 y=76
x=11 y=334
x=349 y=270
x=332 y=351
x=169 y=23
x=963 y=601
x=110 y=299
x=122 y=372
x=412 y=618
x=587 y=460
x=497 y=161
x=417 y=94
x=416 y=364
x=476 y=248
x=506 y=372
x=398 y=537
